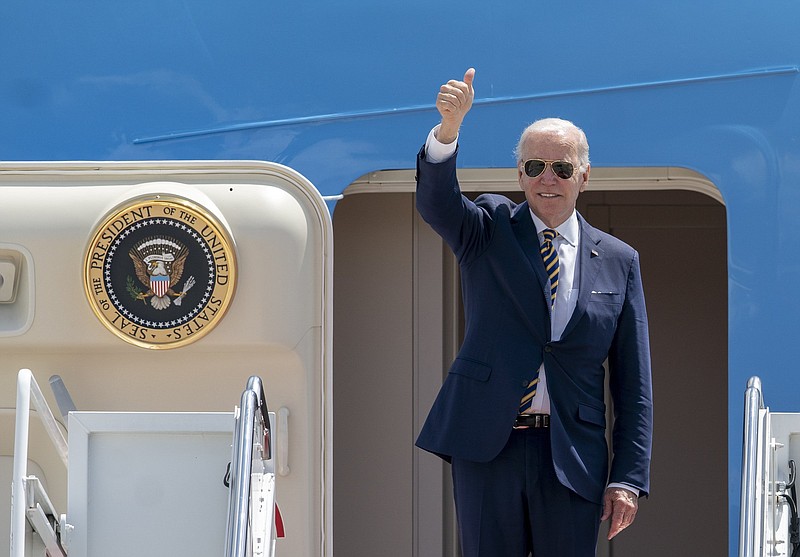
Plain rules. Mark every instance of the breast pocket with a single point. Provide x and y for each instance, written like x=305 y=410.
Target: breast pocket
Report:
x=602 y=314
x=601 y=296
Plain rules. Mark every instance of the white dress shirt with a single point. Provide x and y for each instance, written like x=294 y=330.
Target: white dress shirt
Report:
x=566 y=244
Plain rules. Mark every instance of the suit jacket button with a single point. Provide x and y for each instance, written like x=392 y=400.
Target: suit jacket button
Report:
x=548 y=348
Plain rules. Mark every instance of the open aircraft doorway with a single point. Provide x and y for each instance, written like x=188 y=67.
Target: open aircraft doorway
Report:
x=397 y=317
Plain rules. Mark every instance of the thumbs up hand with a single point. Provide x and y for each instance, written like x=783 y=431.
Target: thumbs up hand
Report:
x=453 y=102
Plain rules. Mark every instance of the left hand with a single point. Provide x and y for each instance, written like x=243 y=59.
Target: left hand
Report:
x=453 y=102
x=621 y=505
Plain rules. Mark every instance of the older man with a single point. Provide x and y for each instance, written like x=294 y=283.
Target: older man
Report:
x=548 y=299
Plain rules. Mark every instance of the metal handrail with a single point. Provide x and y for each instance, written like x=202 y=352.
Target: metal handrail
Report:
x=754 y=403
x=28 y=390
x=242 y=464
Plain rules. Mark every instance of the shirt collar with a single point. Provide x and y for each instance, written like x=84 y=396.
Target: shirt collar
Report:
x=569 y=229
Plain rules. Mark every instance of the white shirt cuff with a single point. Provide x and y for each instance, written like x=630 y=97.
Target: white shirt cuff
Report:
x=435 y=150
x=630 y=488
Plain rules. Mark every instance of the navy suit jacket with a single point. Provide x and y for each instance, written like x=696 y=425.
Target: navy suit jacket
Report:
x=506 y=296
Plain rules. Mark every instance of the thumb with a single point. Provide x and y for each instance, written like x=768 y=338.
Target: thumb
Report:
x=607 y=509
x=469 y=76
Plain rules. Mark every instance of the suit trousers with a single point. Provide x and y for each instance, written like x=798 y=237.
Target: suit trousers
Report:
x=514 y=505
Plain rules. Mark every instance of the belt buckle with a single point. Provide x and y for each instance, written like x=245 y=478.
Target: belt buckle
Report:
x=539 y=421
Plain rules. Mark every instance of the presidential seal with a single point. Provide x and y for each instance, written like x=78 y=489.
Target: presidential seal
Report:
x=160 y=272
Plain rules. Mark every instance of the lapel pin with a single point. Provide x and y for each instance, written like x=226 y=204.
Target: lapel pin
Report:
x=594 y=253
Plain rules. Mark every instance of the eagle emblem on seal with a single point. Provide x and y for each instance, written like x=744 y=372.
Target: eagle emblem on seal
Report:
x=159 y=263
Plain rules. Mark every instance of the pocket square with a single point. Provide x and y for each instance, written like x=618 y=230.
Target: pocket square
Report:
x=604 y=293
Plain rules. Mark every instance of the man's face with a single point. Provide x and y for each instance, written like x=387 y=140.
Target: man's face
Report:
x=551 y=198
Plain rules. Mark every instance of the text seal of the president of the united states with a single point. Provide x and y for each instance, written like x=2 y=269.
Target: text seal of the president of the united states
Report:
x=160 y=271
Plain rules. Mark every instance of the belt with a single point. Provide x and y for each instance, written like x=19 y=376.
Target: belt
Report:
x=532 y=420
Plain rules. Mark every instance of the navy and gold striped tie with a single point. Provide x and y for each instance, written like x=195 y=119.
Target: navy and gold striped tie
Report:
x=550 y=258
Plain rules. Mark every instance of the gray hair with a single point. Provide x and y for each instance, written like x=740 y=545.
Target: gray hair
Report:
x=561 y=127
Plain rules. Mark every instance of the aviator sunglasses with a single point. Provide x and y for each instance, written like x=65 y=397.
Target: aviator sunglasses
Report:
x=562 y=169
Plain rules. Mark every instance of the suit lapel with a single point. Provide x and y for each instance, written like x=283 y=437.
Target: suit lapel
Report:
x=590 y=260
x=525 y=233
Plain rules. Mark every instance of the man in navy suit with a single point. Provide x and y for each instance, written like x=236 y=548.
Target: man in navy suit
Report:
x=548 y=299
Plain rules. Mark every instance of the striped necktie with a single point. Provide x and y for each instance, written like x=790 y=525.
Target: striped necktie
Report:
x=550 y=258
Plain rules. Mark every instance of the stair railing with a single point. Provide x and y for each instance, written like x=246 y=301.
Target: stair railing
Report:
x=29 y=502
x=252 y=416
x=751 y=523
